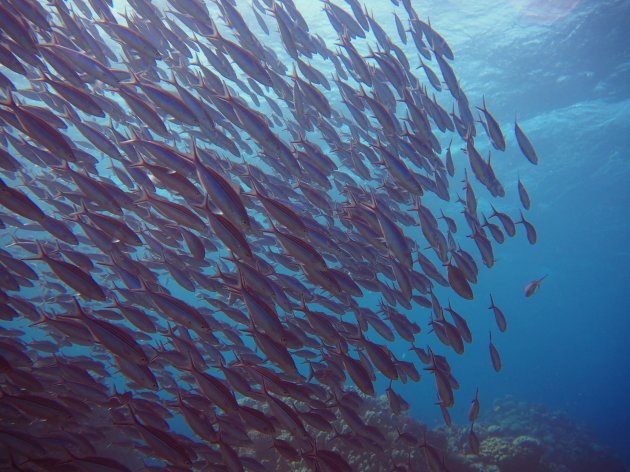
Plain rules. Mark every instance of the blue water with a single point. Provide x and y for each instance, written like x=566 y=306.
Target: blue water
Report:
x=565 y=70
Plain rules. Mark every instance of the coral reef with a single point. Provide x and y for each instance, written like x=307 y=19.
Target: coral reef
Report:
x=522 y=437
x=514 y=437
x=381 y=442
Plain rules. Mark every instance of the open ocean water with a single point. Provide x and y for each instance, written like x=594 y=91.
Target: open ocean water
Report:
x=563 y=69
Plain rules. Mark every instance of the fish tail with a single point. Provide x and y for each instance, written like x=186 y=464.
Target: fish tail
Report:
x=9 y=101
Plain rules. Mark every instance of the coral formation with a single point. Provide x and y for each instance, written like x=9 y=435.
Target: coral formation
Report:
x=523 y=437
x=514 y=437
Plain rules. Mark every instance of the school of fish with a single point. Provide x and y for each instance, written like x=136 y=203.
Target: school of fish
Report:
x=189 y=204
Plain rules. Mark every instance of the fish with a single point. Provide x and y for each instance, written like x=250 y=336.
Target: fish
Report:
x=72 y=275
x=506 y=221
x=40 y=131
x=495 y=231
x=460 y=324
x=473 y=441
x=17 y=29
x=229 y=237
x=76 y=96
x=457 y=280
x=493 y=128
x=494 y=356
x=523 y=195
x=530 y=230
x=533 y=286
x=433 y=458
x=132 y=39
x=20 y=203
x=525 y=144
x=220 y=192
x=162 y=443
x=473 y=412
x=114 y=338
x=247 y=61
x=499 y=317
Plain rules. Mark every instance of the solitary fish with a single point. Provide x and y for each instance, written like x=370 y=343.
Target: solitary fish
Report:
x=533 y=286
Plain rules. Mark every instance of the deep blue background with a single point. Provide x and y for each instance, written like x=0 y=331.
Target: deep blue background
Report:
x=566 y=71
